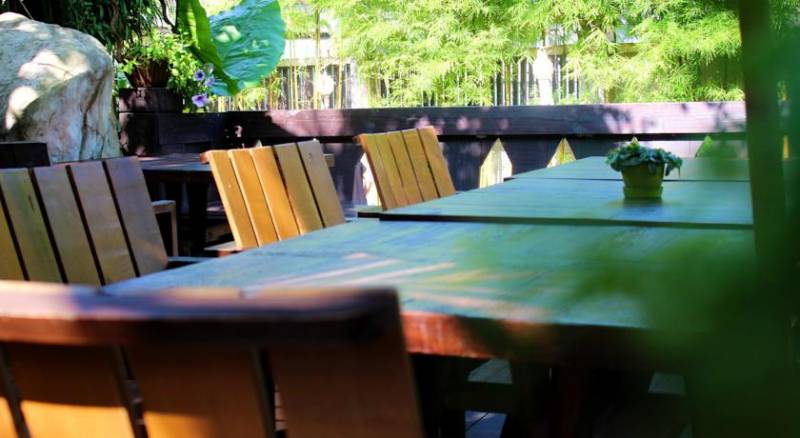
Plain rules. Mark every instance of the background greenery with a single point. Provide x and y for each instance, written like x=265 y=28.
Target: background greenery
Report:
x=414 y=52
x=685 y=49
x=112 y=22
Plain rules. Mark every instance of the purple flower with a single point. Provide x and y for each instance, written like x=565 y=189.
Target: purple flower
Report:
x=210 y=80
x=199 y=75
x=200 y=100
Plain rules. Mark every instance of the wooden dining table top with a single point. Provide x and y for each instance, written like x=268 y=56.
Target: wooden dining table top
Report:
x=693 y=169
x=532 y=289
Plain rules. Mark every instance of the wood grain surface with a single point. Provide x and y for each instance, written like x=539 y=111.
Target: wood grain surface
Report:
x=534 y=200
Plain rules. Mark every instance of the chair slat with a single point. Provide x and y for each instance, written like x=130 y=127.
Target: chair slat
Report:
x=135 y=206
x=298 y=187
x=379 y=173
x=7 y=427
x=380 y=400
x=441 y=175
x=390 y=165
x=421 y=167
x=232 y=199
x=69 y=392
x=269 y=175
x=36 y=250
x=102 y=221
x=201 y=392
x=321 y=182
x=69 y=234
x=409 y=179
x=254 y=199
x=10 y=269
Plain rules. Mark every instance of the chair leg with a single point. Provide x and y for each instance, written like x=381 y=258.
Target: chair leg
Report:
x=436 y=376
x=167 y=216
x=532 y=391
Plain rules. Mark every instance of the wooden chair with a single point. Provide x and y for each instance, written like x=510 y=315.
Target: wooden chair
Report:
x=275 y=193
x=88 y=223
x=408 y=166
x=201 y=359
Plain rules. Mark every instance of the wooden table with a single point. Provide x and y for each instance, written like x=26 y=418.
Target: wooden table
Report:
x=476 y=289
x=694 y=169
x=186 y=169
x=491 y=284
x=516 y=271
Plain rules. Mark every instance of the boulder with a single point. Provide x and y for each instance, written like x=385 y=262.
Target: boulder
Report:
x=56 y=87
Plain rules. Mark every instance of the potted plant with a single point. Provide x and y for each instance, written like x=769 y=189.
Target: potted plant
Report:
x=162 y=59
x=642 y=168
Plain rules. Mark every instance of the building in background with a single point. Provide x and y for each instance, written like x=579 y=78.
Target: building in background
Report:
x=537 y=79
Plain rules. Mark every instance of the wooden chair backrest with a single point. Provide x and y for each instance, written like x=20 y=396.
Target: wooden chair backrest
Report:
x=275 y=193
x=200 y=361
x=89 y=223
x=408 y=166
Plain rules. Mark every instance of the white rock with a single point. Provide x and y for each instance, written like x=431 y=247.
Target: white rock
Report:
x=56 y=87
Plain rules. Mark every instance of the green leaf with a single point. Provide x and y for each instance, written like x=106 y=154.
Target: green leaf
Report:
x=196 y=28
x=244 y=44
x=250 y=41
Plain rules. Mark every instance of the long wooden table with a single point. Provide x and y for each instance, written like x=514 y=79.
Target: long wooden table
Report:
x=531 y=288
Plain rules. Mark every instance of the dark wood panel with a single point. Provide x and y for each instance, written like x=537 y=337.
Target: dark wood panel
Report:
x=23 y=154
x=624 y=119
x=665 y=119
x=530 y=134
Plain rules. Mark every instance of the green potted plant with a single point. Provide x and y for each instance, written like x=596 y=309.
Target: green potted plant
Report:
x=162 y=59
x=642 y=168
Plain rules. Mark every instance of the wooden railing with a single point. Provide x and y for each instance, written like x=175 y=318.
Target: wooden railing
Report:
x=151 y=124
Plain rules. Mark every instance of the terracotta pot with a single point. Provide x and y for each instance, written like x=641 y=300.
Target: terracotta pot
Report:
x=155 y=74
x=640 y=183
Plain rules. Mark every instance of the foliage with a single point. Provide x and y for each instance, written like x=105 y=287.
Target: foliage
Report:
x=204 y=80
x=634 y=154
x=112 y=22
x=244 y=43
x=716 y=149
x=164 y=46
x=684 y=49
x=214 y=7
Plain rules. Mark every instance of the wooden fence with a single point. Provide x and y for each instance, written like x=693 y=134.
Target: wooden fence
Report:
x=151 y=124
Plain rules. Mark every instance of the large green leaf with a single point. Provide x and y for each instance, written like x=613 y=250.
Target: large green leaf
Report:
x=196 y=27
x=244 y=43
x=249 y=40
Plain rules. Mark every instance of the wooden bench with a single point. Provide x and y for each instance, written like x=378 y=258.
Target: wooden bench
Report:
x=275 y=193
x=88 y=223
x=408 y=166
x=203 y=361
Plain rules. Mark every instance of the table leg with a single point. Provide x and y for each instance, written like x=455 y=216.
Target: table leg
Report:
x=174 y=192
x=434 y=376
x=198 y=214
x=532 y=395
x=570 y=417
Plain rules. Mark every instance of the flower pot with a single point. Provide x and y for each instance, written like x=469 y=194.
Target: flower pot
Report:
x=640 y=183
x=153 y=75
